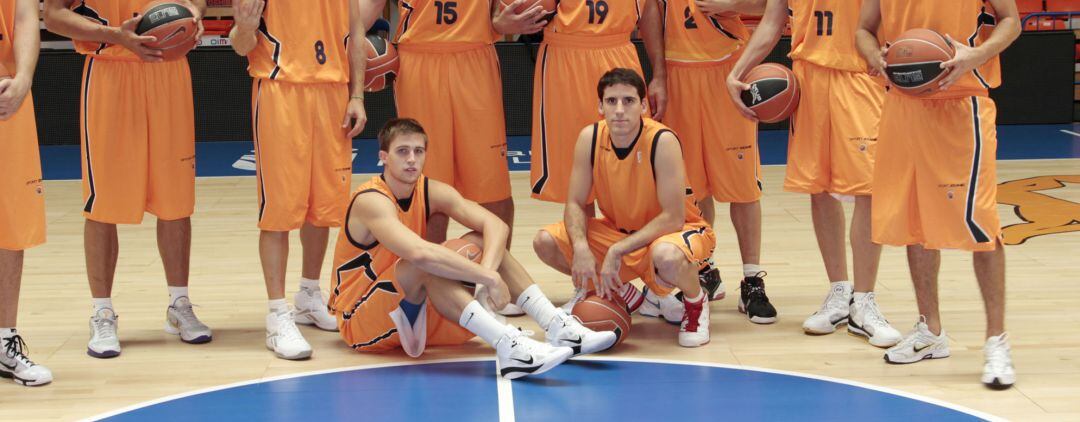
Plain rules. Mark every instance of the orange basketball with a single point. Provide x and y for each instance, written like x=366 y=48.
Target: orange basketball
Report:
x=382 y=65
x=913 y=61
x=4 y=74
x=172 y=24
x=465 y=248
x=773 y=93
x=599 y=314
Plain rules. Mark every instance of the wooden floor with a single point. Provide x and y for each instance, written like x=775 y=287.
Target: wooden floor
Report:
x=1043 y=319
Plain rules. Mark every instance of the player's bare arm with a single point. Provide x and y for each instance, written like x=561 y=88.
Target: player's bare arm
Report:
x=968 y=58
x=26 y=41
x=651 y=27
x=866 y=39
x=355 y=113
x=61 y=20
x=509 y=22
x=446 y=200
x=246 y=17
x=671 y=192
x=370 y=11
x=583 y=267
x=761 y=43
x=730 y=7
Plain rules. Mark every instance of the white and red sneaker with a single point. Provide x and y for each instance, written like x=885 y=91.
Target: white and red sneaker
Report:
x=694 y=330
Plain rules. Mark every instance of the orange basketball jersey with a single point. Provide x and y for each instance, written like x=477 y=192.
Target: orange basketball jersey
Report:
x=967 y=21
x=302 y=42
x=7 y=34
x=111 y=13
x=823 y=33
x=596 y=17
x=624 y=180
x=356 y=266
x=445 y=21
x=690 y=36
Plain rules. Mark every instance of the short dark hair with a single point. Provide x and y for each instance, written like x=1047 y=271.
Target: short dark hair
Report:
x=397 y=127
x=621 y=76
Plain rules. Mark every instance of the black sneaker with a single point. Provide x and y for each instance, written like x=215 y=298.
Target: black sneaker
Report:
x=753 y=302
x=709 y=277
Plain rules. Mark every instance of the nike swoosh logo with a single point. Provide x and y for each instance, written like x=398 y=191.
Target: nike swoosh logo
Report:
x=471 y=314
x=919 y=349
x=12 y=367
x=574 y=340
x=527 y=362
x=838 y=320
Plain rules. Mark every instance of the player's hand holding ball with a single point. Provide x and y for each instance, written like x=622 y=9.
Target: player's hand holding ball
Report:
x=735 y=87
x=609 y=273
x=583 y=269
x=125 y=36
x=964 y=60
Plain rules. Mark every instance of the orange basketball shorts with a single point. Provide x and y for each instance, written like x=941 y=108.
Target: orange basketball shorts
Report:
x=138 y=140
x=568 y=67
x=695 y=241
x=719 y=144
x=371 y=320
x=936 y=182
x=834 y=131
x=22 y=195
x=455 y=92
x=303 y=157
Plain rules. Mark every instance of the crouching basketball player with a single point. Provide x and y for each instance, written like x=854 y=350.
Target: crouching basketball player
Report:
x=394 y=289
x=652 y=228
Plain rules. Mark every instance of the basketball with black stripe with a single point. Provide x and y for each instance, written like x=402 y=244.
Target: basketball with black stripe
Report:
x=913 y=61
x=773 y=93
x=382 y=65
x=599 y=314
x=172 y=24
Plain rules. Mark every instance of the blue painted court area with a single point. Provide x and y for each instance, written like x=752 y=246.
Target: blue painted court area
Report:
x=584 y=390
x=1016 y=142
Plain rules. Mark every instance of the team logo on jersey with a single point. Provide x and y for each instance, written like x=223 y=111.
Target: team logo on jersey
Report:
x=1041 y=213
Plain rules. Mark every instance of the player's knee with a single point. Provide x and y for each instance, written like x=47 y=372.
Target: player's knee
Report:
x=668 y=257
x=543 y=243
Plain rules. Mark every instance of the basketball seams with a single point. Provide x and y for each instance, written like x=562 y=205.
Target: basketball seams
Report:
x=613 y=311
x=948 y=54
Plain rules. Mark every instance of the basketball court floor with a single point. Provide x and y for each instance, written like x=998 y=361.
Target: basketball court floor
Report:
x=748 y=371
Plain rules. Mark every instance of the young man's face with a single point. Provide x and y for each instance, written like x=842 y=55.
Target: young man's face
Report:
x=622 y=109
x=405 y=159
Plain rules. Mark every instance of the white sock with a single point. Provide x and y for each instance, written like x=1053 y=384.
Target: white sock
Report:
x=101 y=303
x=698 y=298
x=475 y=319
x=309 y=284
x=176 y=293
x=7 y=332
x=278 y=305
x=534 y=303
x=750 y=270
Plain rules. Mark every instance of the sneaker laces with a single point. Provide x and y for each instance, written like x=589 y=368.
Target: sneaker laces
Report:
x=835 y=299
x=691 y=315
x=754 y=287
x=15 y=348
x=105 y=327
x=997 y=353
x=287 y=325
x=186 y=310
x=871 y=312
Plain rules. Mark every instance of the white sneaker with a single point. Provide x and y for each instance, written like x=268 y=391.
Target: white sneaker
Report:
x=566 y=330
x=669 y=307
x=284 y=338
x=694 y=330
x=867 y=321
x=519 y=355
x=998 y=373
x=16 y=365
x=919 y=344
x=511 y=310
x=104 y=343
x=311 y=310
x=180 y=320
x=833 y=312
x=579 y=295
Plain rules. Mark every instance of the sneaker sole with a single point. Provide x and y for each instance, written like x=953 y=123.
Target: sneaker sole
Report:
x=21 y=381
x=756 y=319
x=856 y=332
x=306 y=320
x=103 y=355
x=690 y=346
x=927 y=357
x=996 y=384
x=718 y=296
x=171 y=329
x=299 y=356
x=547 y=366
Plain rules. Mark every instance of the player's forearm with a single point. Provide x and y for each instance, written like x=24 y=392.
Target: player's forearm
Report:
x=357 y=64
x=496 y=233
x=200 y=5
x=63 y=21
x=749 y=7
x=442 y=262
x=1005 y=32
x=652 y=34
x=662 y=224
x=27 y=41
x=370 y=11
x=867 y=44
x=764 y=38
x=243 y=40
x=576 y=222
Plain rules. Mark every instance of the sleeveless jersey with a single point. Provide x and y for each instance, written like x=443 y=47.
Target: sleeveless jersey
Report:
x=7 y=34
x=445 y=21
x=111 y=13
x=967 y=21
x=596 y=17
x=356 y=265
x=691 y=36
x=823 y=33
x=302 y=42
x=624 y=182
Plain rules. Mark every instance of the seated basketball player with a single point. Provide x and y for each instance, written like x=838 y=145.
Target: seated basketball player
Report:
x=394 y=289
x=651 y=228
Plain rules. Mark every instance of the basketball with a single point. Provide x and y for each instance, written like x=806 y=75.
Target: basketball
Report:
x=4 y=74
x=773 y=93
x=465 y=248
x=913 y=62
x=172 y=24
x=382 y=63
x=548 y=5
x=599 y=314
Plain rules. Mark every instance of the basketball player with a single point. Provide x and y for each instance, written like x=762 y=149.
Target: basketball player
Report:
x=831 y=146
x=302 y=62
x=22 y=204
x=137 y=127
x=394 y=289
x=703 y=40
x=938 y=187
x=653 y=231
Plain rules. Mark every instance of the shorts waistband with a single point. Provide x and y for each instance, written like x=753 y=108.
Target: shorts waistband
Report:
x=586 y=41
x=440 y=47
x=700 y=63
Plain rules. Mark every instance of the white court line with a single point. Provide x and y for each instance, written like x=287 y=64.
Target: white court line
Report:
x=958 y=408
x=506 y=396
x=1071 y=133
